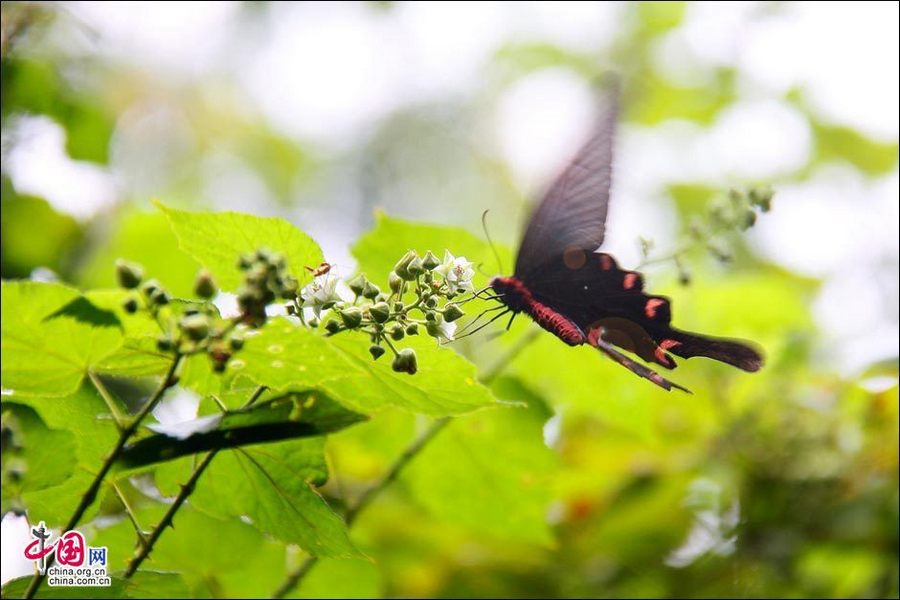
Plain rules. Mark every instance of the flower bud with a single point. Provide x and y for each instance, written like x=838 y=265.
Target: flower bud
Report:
x=430 y=261
x=351 y=317
x=412 y=329
x=376 y=351
x=290 y=308
x=402 y=266
x=397 y=333
x=395 y=282
x=165 y=343
x=405 y=362
x=431 y=302
x=452 y=312
x=130 y=305
x=236 y=341
x=289 y=288
x=429 y=277
x=205 y=287
x=332 y=326
x=159 y=297
x=398 y=307
x=416 y=267
x=380 y=312
x=370 y=291
x=245 y=262
x=150 y=287
x=429 y=316
x=195 y=327
x=128 y=274
x=314 y=322
x=762 y=197
x=749 y=219
x=358 y=284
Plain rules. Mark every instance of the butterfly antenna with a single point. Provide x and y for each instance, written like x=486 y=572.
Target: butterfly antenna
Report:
x=490 y=241
x=482 y=326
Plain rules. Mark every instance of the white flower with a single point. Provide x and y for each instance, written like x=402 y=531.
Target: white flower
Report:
x=457 y=273
x=321 y=293
x=441 y=329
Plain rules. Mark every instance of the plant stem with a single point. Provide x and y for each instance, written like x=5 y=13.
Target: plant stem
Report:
x=296 y=576
x=117 y=415
x=186 y=490
x=91 y=494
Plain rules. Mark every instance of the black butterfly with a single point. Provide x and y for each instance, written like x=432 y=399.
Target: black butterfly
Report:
x=581 y=295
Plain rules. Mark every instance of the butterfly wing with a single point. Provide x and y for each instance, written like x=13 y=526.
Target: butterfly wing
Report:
x=593 y=292
x=572 y=214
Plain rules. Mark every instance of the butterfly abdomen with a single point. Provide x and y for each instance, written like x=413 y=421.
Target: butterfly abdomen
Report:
x=518 y=298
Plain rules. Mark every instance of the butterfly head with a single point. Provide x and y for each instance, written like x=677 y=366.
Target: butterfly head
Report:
x=511 y=292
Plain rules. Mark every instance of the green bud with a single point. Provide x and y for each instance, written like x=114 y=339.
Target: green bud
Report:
x=130 y=305
x=290 y=308
x=749 y=219
x=358 y=284
x=416 y=267
x=452 y=312
x=264 y=256
x=412 y=329
x=165 y=343
x=433 y=329
x=430 y=261
x=159 y=297
x=128 y=274
x=430 y=316
x=205 y=287
x=394 y=282
x=405 y=362
x=719 y=251
x=351 y=317
x=195 y=327
x=236 y=341
x=150 y=287
x=397 y=333
x=314 y=322
x=402 y=266
x=245 y=262
x=380 y=312
x=431 y=302
x=332 y=326
x=289 y=288
x=762 y=197
x=398 y=307
x=376 y=351
x=370 y=291
x=429 y=277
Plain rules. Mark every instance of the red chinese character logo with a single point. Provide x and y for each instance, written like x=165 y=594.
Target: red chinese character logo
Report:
x=70 y=549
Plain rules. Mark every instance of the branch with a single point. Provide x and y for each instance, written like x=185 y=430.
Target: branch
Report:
x=186 y=490
x=297 y=575
x=91 y=494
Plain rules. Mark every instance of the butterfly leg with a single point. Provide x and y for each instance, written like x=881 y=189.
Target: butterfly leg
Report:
x=605 y=347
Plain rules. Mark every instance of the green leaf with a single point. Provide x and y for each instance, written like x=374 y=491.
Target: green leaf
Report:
x=870 y=156
x=489 y=472
x=290 y=416
x=145 y=239
x=35 y=457
x=218 y=240
x=77 y=416
x=284 y=355
x=145 y=584
x=270 y=485
x=48 y=356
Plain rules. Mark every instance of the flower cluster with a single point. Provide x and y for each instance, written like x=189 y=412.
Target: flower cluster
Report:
x=423 y=294
x=420 y=296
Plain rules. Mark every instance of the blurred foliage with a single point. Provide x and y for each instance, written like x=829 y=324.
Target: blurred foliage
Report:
x=582 y=481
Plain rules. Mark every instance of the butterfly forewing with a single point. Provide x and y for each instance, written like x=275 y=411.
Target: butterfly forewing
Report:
x=572 y=214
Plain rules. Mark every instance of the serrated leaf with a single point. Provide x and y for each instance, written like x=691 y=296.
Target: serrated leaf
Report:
x=290 y=416
x=284 y=355
x=48 y=356
x=271 y=486
x=218 y=240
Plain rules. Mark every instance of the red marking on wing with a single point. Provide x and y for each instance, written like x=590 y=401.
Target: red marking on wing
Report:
x=668 y=344
x=606 y=263
x=651 y=306
x=630 y=279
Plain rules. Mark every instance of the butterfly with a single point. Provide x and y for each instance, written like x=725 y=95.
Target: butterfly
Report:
x=581 y=295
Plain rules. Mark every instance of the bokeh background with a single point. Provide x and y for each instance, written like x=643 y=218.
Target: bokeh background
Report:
x=782 y=483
